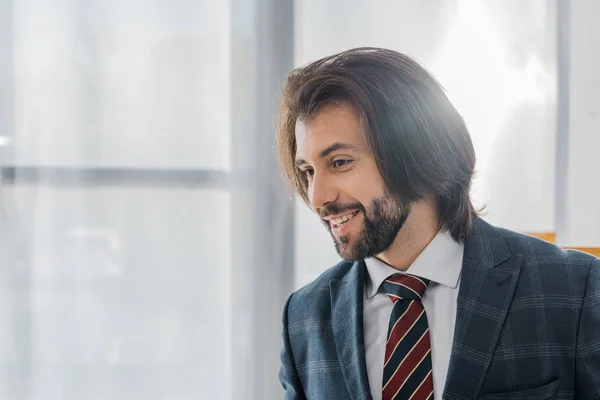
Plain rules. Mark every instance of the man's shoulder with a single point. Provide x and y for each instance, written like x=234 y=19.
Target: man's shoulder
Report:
x=540 y=252
x=316 y=294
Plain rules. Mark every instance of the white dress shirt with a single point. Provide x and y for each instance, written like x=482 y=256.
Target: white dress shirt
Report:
x=441 y=263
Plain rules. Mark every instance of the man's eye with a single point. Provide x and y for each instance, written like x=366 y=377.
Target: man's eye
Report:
x=340 y=163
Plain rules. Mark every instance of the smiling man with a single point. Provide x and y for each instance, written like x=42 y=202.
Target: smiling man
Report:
x=430 y=301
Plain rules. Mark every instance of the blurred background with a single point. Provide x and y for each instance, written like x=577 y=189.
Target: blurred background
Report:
x=147 y=241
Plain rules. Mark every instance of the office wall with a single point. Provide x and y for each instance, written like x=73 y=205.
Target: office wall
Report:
x=578 y=222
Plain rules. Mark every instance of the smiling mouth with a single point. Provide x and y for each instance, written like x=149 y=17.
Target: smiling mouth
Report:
x=336 y=223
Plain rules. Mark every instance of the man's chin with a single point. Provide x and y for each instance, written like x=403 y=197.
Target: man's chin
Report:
x=345 y=249
x=343 y=242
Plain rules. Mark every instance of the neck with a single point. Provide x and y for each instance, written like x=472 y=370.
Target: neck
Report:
x=418 y=231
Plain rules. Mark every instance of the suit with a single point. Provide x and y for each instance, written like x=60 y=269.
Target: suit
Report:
x=527 y=325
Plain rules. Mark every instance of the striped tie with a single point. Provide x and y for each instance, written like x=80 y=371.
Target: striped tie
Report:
x=407 y=365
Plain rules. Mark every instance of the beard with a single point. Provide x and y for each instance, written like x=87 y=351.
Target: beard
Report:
x=381 y=223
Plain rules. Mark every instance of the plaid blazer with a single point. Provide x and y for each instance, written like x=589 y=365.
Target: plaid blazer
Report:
x=527 y=326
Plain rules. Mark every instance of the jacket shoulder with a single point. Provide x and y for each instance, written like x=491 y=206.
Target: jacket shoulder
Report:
x=314 y=298
x=540 y=252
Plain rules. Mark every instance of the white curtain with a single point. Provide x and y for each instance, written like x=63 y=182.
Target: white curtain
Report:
x=146 y=238
x=116 y=230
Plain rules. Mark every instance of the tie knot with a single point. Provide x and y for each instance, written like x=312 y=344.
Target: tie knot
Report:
x=405 y=287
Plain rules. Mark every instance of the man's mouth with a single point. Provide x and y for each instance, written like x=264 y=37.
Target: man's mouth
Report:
x=341 y=220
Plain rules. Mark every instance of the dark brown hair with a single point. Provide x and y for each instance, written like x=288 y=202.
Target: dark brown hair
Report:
x=419 y=140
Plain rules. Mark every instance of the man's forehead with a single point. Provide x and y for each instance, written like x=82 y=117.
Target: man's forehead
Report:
x=329 y=127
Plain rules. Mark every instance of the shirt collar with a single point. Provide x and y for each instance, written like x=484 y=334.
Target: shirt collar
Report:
x=441 y=262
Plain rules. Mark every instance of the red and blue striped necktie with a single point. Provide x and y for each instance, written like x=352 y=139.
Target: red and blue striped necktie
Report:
x=407 y=371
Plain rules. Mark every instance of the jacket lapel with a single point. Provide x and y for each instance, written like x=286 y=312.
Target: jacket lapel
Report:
x=347 y=319
x=488 y=280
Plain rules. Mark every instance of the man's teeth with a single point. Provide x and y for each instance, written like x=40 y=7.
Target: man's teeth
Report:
x=341 y=220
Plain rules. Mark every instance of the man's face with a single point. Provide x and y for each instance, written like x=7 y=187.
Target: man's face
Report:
x=345 y=187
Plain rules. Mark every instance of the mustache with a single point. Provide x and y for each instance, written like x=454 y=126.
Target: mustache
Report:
x=339 y=209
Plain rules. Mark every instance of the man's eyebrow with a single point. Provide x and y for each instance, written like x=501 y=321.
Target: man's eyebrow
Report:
x=329 y=150
x=336 y=146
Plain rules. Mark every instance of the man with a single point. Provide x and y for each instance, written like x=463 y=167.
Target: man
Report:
x=431 y=302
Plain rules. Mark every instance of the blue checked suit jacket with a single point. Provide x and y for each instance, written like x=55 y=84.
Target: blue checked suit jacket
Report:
x=527 y=326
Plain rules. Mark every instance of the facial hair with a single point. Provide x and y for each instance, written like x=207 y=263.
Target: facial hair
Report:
x=382 y=221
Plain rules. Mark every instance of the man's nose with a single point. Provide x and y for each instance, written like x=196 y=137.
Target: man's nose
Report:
x=321 y=192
